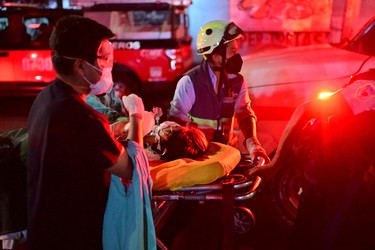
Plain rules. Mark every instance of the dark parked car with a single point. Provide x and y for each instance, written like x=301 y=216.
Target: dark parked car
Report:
x=280 y=80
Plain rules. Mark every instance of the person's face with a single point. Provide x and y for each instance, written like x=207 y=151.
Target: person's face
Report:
x=165 y=133
x=92 y=69
x=231 y=50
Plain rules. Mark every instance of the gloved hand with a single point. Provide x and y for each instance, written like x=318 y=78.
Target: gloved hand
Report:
x=256 y=150
x=134 y=105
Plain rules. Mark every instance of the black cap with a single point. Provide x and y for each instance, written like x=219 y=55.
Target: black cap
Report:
x=78 y=37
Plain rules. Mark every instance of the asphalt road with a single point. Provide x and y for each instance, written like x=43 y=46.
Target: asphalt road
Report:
x=191 y=225
x=13 y=112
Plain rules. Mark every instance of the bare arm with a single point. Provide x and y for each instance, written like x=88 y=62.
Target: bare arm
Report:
x=135 y=129
x=124 y=167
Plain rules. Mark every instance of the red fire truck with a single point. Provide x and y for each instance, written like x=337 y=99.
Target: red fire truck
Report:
x=152 y=44
x=25 y=57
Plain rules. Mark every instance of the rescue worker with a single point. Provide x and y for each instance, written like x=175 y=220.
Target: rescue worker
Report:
x=214 y=92
x=71 y=147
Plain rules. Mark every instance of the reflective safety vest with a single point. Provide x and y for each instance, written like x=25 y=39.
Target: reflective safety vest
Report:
x=207 y=108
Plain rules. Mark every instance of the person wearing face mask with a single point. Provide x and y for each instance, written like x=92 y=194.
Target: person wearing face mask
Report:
x=71 y=147
x=214 y=92
x=102 y=96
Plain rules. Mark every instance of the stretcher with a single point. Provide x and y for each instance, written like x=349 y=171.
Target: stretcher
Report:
x=220 y=175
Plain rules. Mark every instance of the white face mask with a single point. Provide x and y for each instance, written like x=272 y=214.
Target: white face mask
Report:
x=105 y=83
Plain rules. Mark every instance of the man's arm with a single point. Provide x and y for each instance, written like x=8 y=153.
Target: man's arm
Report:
x=135 y=129
x=123 y=167
x=247 y=122
x=135 y=107
x=183 y=100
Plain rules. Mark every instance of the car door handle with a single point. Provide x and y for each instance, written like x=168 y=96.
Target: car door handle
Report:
x=4 y=54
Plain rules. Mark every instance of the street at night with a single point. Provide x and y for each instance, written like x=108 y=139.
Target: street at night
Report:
x=290 y=84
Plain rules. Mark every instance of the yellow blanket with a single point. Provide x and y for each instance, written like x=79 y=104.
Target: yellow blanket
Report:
x=218 y=161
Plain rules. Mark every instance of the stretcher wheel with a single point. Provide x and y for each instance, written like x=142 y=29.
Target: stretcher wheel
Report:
x=244 y=220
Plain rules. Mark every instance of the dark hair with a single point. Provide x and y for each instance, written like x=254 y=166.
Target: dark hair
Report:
x=61 y=64
x=187 y=142
x=77 y=37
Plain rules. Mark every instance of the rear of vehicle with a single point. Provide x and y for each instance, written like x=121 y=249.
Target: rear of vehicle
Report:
x=280 y=80
x=25 y=57
x=152 y=45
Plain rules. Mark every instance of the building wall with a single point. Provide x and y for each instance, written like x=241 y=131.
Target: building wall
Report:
x=367 y=10
x=348 y=16
x=203 y=11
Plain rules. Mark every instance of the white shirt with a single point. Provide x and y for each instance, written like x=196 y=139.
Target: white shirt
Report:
x=184 y=97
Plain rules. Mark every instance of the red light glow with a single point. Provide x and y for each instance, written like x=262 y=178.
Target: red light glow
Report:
x=325 y=94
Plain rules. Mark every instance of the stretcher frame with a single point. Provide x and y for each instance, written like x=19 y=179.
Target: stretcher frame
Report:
x=227 y=189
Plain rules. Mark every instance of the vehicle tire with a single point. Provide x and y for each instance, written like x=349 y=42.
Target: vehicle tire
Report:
x=244 y=220
x=125 y=82
x=282 y=196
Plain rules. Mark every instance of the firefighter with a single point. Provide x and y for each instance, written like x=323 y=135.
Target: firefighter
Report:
x=214 y=92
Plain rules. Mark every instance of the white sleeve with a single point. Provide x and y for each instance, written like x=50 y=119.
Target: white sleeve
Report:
x=183 y=99
x=242 y=107
x=243 y=100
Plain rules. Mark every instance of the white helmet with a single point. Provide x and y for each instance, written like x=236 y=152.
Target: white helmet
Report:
x=215 y=33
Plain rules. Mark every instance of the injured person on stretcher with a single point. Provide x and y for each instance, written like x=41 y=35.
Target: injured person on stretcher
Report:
x=180 y=156
x=167 y=141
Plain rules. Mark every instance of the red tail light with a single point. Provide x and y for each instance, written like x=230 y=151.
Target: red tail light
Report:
x=325 y=94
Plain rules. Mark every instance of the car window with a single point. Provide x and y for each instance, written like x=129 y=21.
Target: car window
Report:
x=13 y=34
x=366 y=44
x=140 y=24
x=363 y=42
x=4 y=23
x=38 y=28
x=25 y=31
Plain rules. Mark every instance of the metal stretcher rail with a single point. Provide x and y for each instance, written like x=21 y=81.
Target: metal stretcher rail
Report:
x=228 y=189
x=188 y=193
